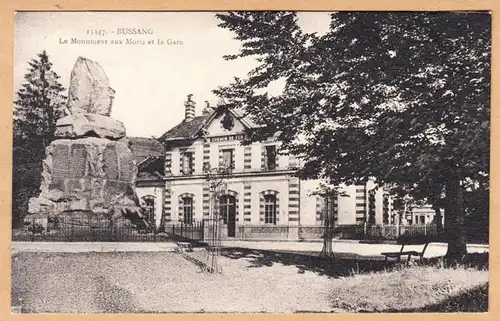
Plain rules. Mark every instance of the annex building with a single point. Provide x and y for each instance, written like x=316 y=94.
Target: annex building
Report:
x=262 y=190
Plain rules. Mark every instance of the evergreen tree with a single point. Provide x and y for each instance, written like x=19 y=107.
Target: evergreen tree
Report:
x=402 y=97
x=39 y=104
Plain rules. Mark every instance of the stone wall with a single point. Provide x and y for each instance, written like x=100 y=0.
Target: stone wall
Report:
x=86 y=174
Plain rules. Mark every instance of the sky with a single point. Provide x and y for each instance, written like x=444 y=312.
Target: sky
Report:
x=151 y=80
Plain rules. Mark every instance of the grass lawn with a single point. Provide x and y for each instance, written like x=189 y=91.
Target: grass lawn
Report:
x=416 y=288
x=252 y=281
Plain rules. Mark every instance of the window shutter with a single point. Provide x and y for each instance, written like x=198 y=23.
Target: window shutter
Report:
x=263 y=158
x=181 y=163
x=233 y=156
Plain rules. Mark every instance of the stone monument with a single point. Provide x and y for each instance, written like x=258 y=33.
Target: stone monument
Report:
x=88 y=168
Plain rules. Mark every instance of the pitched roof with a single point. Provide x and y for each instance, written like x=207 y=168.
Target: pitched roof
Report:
x=143 y=148
x=151 y=168
x=246 y=119
x=190 y=129
x=148 y=176
x=152 y=163
x=187 y=130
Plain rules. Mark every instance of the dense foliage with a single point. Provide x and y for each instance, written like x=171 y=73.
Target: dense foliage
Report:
x=37 y=107
x=402 y=97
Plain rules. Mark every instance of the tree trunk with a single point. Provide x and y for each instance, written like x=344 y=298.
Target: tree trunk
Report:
x=454 y=221
x=327 y=251
x=438 y=219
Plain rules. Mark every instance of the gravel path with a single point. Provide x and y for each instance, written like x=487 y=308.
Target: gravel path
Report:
x=160 y=282
x=156 y=282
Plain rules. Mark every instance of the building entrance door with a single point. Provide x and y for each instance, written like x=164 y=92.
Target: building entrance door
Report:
x=228 y=213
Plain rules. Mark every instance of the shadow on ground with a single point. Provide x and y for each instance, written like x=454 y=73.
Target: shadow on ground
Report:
x=344 y=264
x=194 y=243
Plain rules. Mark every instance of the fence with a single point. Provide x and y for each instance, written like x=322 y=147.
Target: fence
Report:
x=256 y=232
x=316 y=232
x=392 y=232
x=93 y=228
x=193 y=231
x=351 y=232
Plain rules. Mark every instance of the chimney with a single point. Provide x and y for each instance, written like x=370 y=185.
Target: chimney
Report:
x=190 y=107
x=207 y=110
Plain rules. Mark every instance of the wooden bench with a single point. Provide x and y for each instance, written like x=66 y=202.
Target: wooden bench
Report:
x=405 y=240
x=184 y=247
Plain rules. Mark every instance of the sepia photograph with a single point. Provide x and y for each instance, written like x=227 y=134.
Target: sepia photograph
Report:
x=251 y=162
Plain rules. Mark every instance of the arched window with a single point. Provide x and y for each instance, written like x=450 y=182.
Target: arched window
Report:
x=148 y=203
x=270 y=209
x=227 y=208
x=187 y=202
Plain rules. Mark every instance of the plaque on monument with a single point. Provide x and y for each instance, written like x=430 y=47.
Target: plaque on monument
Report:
x=60 y=161
x=78 y=161
x=110 y=158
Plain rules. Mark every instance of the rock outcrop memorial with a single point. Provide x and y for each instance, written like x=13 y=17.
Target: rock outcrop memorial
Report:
x=88 y=168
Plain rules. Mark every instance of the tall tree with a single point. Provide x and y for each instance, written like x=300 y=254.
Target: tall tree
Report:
x=328 y=194
x=39 y=102
x=400 y=97
x=38 y=105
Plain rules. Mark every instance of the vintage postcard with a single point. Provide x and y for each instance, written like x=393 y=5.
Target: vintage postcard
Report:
x=251 y=162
